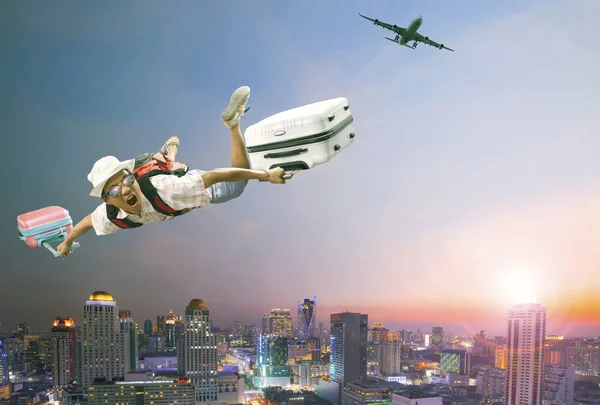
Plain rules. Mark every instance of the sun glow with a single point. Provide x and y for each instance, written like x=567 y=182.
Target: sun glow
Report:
x=519 y=285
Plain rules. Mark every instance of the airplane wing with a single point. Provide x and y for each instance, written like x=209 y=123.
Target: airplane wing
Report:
x=393 y=28
x=426 y=40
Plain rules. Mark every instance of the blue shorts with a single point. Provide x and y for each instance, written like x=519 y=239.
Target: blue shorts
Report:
x=226 y=191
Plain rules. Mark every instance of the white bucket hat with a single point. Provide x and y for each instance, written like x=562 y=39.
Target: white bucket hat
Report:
x=104 y=169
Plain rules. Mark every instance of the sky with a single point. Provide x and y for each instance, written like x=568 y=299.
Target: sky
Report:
x=472 y=184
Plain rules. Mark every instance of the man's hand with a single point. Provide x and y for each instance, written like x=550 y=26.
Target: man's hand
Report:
x=276 y=175
x=65 y=248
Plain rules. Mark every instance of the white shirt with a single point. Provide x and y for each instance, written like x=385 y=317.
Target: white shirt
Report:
x=180 y=193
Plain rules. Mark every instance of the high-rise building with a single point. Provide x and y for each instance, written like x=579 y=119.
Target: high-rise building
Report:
x=391 y=355
x=4 y=378
x=198 y=356
x=455 y=362
x=272 y=351
x=306 y=318
x=171 y=332
x=265 y=324
x=525 y=365
x=64 y=340
x=348 y=348
x=378 y=333
x=280 y=323
x=128 y=341
x=148 y=327
x=437 y=339
x=101 y=351
x=161 y=325
x=307 y=312
x=501 y=357
x=559 y=385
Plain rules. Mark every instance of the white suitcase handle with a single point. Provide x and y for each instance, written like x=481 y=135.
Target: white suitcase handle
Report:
x=286 y=154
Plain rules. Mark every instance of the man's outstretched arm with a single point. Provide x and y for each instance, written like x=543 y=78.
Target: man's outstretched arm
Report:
x=235 y=174
x=81 y=228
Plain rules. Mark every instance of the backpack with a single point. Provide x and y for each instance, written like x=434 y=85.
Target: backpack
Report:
x=146 y=166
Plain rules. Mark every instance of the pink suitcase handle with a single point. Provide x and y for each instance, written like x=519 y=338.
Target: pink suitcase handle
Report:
x=45 y=239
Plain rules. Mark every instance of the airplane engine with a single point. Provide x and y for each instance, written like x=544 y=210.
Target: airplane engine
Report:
x=376 y=21
x=441 y=46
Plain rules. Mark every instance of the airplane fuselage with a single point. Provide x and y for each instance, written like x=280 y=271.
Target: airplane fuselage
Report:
x=411 y=31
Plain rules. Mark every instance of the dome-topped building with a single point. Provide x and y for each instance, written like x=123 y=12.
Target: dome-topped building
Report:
x=198 y=303
x=101 y=296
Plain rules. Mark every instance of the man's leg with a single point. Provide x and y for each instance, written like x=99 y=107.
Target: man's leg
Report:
x=226 y=191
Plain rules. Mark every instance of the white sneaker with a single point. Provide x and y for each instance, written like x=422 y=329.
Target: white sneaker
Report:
x=237 y=107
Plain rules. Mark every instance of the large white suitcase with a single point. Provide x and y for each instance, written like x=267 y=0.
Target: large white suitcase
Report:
x=301 y=138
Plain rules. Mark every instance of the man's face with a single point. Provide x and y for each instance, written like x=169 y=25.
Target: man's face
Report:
x=122 y=191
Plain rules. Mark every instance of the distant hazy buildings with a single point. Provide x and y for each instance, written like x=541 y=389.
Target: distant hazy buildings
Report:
x=585 y=357
x=525 y=365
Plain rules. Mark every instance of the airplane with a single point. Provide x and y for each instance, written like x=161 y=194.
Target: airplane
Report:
x=405 y=35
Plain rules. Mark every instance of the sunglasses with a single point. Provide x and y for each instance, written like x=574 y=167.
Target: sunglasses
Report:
x=117 y=190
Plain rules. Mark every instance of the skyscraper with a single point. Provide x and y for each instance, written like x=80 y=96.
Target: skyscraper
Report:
x=307 y=312
x=64 y=340
x=437 y=339
x=128 y=341
x=280 y=323
x=198 y=357
x=348 y=347
x=525 y=359
x=455 y=362
x=101 y=351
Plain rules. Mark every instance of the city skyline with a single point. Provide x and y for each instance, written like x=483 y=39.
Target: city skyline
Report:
x=472 y=183
x=225 y=324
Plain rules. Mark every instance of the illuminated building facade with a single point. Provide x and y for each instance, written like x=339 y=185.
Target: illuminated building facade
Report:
x=525 y=365
x=391 y=355
x=64 y=341
x=348 y=347
x=272 y=351
x=101 y=352
x=501 y=357
x=198 y=358
x=4 y=380
x=280 y=323
x=455 y=362
x=307 y=312
x=377 y=333
x=156 y=392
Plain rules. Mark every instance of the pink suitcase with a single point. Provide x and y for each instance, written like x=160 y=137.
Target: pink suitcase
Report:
x=44 y=226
